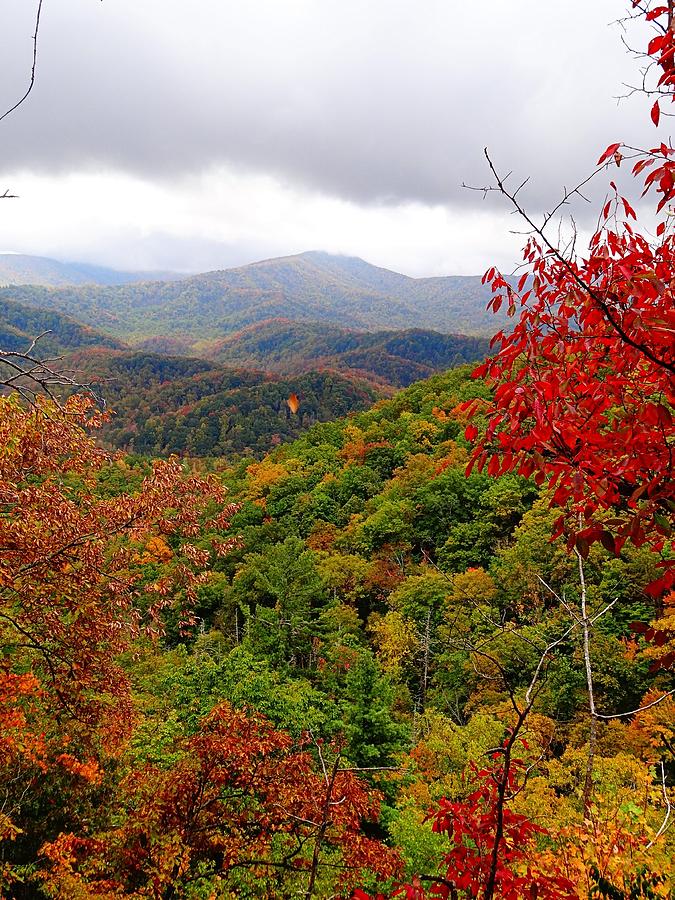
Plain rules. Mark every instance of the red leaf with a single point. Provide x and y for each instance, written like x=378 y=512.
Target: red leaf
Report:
x=628 y=209
x=656 y=43
x=583 y=547
x=655 y=13
x=656 y=113
x=607 y=541
x=610 y=151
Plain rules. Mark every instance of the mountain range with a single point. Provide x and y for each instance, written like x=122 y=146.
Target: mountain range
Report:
x=396 y=358
x=206 y=365
x=58 y=333
x=310 y=287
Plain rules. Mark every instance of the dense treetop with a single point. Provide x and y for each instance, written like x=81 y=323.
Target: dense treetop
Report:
x=370 y=611
x=170 y=404
x=395 y=358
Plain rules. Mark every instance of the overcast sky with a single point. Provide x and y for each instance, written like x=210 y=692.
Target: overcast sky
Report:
x=209 y=133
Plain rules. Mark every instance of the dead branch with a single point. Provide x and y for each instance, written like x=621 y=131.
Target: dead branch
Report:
x=30 y=376
x=31 y=82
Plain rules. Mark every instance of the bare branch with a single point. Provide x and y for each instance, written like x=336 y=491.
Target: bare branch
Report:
x=586 y=625
x=28 y=375
x=31 y=83
x=664 y=824
x=588 y=289
x=640 y=709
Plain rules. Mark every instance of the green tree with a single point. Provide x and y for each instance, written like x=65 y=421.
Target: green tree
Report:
x=281 y=594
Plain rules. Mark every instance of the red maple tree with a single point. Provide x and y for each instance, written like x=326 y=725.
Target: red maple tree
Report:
x=492 y=849
x=244 y=804
x=585 y=382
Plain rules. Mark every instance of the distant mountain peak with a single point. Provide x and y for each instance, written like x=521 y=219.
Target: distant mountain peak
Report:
x=324 y=255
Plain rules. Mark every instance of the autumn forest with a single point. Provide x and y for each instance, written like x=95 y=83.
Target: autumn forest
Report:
x=322 y=581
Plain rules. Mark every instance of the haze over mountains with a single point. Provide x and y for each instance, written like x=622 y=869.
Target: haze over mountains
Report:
x=309 y=287
x=21 y=268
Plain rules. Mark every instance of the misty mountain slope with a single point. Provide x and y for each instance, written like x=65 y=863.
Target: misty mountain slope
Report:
x=310 y=287
x=20 y=268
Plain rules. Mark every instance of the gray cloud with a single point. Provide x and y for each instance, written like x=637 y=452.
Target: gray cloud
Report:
x=380 y=101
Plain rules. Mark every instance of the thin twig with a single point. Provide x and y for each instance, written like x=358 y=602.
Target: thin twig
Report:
x=639 y=709
x=664 y=824
x=33 y=67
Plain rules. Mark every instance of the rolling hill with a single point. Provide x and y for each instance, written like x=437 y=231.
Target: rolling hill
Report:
x=395 y=358
x=20 y=268
x=21 y=324
x=164 y=404
x=310 y=287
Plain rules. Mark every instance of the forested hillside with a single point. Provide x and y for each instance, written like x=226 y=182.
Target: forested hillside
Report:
x=392 y=357
x=359 y=604
x=20 y=325
x=270 y=627
x=310 y=287
x=386 y=359
x=171 y=404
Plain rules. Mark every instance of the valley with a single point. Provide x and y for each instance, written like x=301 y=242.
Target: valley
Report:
x=204 y=365
x=318 y=580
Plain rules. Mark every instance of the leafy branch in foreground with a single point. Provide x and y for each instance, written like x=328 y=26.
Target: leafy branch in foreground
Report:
x=78 y=583
x=585 y=382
